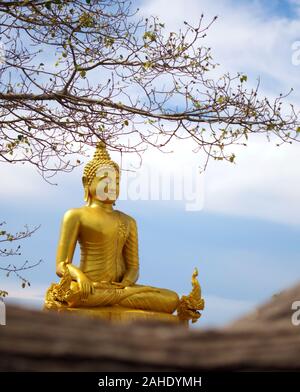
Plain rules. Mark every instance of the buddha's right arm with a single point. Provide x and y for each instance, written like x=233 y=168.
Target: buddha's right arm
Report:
x=65 y=251
x=67 y=242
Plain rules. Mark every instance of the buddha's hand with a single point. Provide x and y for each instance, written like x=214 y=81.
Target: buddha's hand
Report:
x=86 y=286
x=123 y=284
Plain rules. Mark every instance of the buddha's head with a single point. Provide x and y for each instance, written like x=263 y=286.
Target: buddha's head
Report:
x=101 y=177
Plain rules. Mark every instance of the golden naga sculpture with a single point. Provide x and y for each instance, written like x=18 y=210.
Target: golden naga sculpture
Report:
x=104 y=285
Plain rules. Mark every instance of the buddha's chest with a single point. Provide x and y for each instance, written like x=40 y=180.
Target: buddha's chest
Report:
x=103 y=228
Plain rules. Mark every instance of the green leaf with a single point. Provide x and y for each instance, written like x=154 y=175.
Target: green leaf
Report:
x=149 y=35
x=270 y=127
x=109 y=41
x=147 y=65
x=232 y=158
x=243 y=78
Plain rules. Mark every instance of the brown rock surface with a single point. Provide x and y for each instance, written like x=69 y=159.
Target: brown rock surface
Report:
x=40 y=341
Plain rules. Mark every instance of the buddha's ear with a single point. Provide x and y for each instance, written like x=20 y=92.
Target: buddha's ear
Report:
x=86 y=188
x=84 y=181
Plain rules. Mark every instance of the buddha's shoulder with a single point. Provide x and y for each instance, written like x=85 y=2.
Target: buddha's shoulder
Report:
x=74 y=213
x=126 y=217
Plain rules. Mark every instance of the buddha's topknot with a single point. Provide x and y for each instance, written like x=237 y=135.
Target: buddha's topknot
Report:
x=101 y=158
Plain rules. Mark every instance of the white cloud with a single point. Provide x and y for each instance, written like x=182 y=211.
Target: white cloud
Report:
x=22 y=184
x=18 y=181
x=265 y=181
x=243 y=37
x=29 y=297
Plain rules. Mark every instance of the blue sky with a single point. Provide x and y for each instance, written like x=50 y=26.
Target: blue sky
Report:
x=274 y=7
x=245 y=240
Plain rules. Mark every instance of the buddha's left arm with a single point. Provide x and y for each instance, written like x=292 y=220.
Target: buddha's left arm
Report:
x=131 y=255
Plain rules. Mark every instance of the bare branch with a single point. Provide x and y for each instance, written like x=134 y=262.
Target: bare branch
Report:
x=78 y=71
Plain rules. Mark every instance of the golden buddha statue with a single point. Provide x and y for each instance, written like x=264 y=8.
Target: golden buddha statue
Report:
x=104 y=285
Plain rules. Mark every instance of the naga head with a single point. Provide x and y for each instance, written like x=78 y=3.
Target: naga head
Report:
x=101 y=177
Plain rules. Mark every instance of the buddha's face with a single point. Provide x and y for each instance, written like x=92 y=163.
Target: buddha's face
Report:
x=105 y=185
